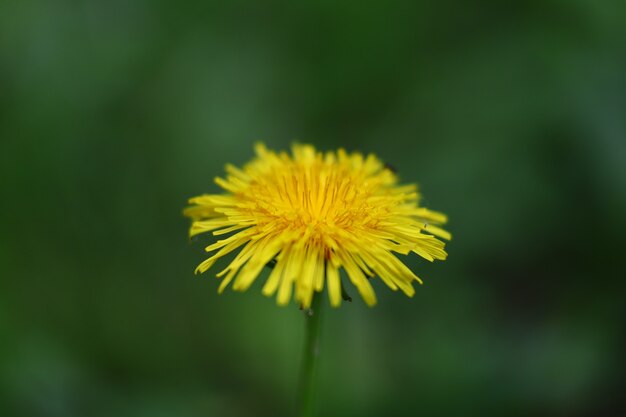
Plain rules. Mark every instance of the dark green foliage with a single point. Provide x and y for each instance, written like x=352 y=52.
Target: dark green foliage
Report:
x=510 y=116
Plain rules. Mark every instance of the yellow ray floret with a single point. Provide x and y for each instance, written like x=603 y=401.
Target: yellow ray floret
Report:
x=315 y=214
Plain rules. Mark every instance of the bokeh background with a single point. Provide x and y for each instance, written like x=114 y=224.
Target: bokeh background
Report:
x=511 y=116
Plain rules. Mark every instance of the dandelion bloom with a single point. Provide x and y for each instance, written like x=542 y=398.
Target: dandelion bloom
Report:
x=314 y=213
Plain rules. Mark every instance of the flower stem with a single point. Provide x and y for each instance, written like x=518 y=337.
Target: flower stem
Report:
x=306 y=403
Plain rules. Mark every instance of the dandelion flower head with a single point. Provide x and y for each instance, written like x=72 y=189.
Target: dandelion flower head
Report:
x=313 y=214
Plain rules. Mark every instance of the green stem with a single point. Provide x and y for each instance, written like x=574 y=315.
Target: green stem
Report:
x=306 y=403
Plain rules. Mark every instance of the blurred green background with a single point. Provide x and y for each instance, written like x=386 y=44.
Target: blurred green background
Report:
x=511 y=116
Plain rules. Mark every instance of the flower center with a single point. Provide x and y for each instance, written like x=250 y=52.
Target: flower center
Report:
x=321 y=202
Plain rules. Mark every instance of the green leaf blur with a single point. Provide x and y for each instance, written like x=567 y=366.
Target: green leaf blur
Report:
x=510 y=116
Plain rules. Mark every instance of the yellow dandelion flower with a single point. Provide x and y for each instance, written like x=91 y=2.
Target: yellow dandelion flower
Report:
x=313 y=214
